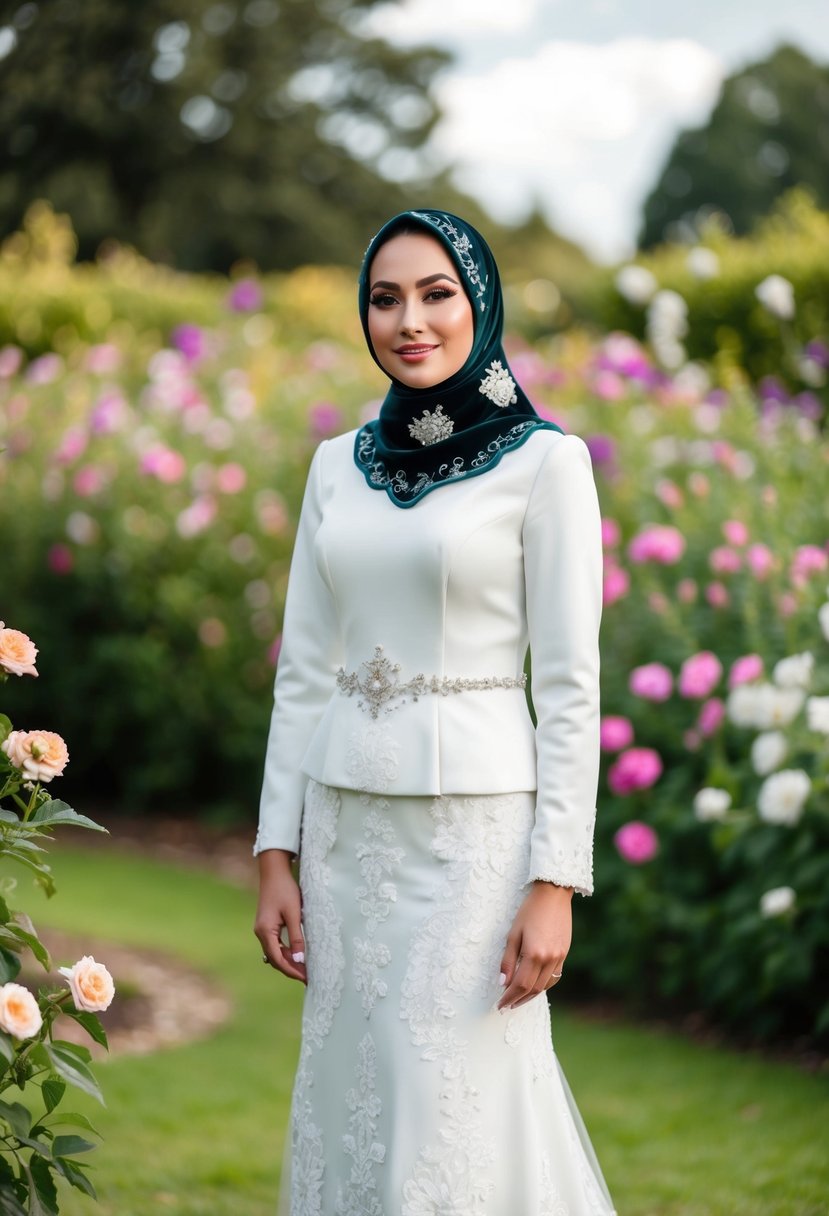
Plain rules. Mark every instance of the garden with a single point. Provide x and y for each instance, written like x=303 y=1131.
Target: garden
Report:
x=155 y=430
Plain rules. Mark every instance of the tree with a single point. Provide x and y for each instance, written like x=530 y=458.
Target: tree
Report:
x=768 y=132
x=203 y=131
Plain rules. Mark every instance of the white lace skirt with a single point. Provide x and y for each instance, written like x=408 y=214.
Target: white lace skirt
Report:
x=414 y=1095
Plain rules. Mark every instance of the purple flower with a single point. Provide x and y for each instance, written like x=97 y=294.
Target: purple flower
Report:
x=190 y=341
x=818 y=352
x=45 y=369
x=325 y=418
x=602 y=449
x=245 y=296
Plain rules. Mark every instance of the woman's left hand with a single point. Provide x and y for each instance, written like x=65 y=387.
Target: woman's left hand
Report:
x=537 y=944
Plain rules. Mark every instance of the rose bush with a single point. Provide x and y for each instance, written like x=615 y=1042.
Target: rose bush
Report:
x=36 y=1149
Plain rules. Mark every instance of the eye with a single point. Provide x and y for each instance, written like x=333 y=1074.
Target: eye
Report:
x=440 y=293
x=383 y=299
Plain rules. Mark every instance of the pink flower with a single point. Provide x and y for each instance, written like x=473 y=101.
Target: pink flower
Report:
x=72 y=444
x=670 y=494
x=325 y=418
x=44 y=369
x=615 y=733
x=608 y=386
x=39 y=754
x=198 y=516
x=164 y=463
x=636 y=842
x=190 y=341
x=610 y=533
x=699 y=674
x=686 y=590
x=11 y=358
x=245 y=296
x=89 y=479
x=652 y=681
x=103 y=359
x=717 y=595
x=231 y=478
x=699 y=485
x=787 y=604
x=760 y=560
x=59 y=559
x=724 y=560
x=636 y=769
x=108 y=412
x=745 y=669
x=17 y=652
x=711 y=717
x=657 y=543
x=616 y=584
x=735 y=532
x=91 y=984
x=808 y=560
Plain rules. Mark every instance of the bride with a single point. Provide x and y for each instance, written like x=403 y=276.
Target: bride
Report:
x=440 y=834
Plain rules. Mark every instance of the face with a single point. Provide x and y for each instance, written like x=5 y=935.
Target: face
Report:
x=419 y=316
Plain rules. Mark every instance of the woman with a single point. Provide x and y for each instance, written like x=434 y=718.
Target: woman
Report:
x=440 y=836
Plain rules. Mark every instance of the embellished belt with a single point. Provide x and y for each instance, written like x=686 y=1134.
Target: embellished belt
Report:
x=380 y=684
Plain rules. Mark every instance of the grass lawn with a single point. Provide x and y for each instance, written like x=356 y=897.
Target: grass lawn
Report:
x=681 y=1129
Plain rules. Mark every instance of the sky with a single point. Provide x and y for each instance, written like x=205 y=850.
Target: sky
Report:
x=574 y=105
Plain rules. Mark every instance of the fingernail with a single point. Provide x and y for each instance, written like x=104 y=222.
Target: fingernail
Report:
x=299 y=957
x=502 y=979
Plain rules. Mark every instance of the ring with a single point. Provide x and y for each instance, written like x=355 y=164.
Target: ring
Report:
x=265 y=958
x=557 y=975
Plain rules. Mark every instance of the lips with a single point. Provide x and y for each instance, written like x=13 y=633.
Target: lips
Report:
x=414 y=349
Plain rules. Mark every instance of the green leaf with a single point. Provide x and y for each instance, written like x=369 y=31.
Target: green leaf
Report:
x=73 y=1069
x=38 y=1146
x=44 y=1183
x=5 y=914
x=7 y=816
x=9 y=965
x=23 y=929
x=6 y=1047
x=75 y=1119
x=73 y=1173
x=91 y=1024
x=52 y=1090
x=18 y=1117
x=54 y=812
x=74 y=1049
x=5 y=727
x=69 y=1146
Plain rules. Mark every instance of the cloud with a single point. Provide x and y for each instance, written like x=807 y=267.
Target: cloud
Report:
x=413 y=21
x=577 y=127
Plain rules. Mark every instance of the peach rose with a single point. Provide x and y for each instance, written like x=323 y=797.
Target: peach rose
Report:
x=40 y=754
x=19 y=1012
x=91 y=984
x=17 y=652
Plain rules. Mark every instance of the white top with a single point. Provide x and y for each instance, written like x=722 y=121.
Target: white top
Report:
x=456 y=586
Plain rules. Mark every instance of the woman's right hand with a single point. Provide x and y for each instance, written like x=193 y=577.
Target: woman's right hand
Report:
x=280 y=905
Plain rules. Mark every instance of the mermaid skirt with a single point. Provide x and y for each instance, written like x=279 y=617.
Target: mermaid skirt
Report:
x=414 y=1095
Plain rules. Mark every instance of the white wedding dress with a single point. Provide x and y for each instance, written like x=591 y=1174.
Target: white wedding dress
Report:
x=404 y=768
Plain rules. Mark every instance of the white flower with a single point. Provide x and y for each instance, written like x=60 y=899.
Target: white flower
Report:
x=782 y=796
x=768 y=751
x=794 y=671
x=777 y=901
x=498 y=385
x=636 y=284
x=823 y=619
x=776 y=294
x=817 y=714
x=19 y=1012
x=764 y=706
x=91 y=984
x=703 y=263
x=711 y=804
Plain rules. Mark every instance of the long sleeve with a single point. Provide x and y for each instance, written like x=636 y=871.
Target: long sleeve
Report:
x=563 y=577
x=309 y=657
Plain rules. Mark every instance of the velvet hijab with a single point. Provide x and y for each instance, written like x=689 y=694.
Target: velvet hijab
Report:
x=464 y=425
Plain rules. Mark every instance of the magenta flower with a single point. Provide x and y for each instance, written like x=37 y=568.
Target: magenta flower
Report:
x=651 y=681
x=711 y=716
x=745 y=669
x=657 y=543
x=59 y=558
x=760 y=560
x=602 y=449
x=808 y=560
x=610 y=533
x=164 y=463
x=245 y=296
x=735 y=532
x=717 y=595
x=636 y=842
x=616 y=584
x=108 y=412
x=326 y=418
x=636 y=769
x=615 y=733
x=699 y=674
x=190 y=341
x=724 y=560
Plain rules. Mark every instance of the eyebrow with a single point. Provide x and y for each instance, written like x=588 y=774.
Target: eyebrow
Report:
x=432 y=278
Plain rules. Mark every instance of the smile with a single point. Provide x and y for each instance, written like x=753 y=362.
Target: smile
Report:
x=413 y=354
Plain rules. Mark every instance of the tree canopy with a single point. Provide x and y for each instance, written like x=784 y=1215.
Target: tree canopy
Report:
x=202 y=132
x=768 y=132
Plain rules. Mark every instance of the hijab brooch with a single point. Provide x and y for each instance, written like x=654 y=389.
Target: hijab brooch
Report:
x=498 y=385
x=431 y=427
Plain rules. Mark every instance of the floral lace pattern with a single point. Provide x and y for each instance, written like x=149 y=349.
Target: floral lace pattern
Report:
x=373 y=758
x=462 y=245
x=573 y=866
x=325 y=961
x=381 y=477
x=483 y=843
x=360 y=1143
x=551 y=1198
x=379 y=858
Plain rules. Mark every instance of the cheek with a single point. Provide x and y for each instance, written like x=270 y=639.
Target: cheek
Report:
x=457 y=326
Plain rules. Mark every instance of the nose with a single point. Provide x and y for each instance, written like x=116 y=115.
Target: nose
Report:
x=410 y=318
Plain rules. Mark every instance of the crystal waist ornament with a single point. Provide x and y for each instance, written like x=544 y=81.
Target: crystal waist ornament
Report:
x=381 y=684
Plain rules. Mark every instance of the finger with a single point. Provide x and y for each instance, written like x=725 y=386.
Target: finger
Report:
x=543 y=984
x=523 y=982
x=294 y=952
x=278 y=955
x=509 y=959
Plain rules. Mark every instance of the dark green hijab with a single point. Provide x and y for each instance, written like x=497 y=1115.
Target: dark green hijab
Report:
x=428 y=437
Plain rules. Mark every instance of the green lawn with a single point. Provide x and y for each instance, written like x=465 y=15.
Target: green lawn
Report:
x=680 y=1129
